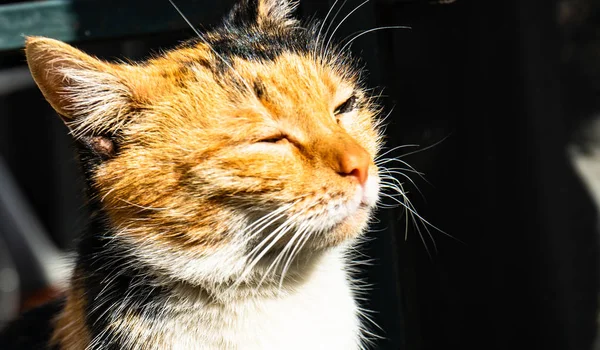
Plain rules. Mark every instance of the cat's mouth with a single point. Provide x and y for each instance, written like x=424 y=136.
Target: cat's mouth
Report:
x=338 y=212
x=324 y=222
x=370 y=192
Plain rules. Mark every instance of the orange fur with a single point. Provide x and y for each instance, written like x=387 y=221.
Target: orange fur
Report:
x=192 y=127
x=201 y=153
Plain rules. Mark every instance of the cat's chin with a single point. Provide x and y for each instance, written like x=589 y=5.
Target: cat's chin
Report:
x=346 y=230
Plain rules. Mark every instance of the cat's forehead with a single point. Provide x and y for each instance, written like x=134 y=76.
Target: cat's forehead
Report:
x=297 y=52
x=292 y=86
x=267 y=75
x=282 y=73
x=296 y=90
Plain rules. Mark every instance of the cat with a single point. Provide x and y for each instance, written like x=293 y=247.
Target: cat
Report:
x=228 y=180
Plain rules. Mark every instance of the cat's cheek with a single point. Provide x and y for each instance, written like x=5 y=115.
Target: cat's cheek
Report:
x=360 y=125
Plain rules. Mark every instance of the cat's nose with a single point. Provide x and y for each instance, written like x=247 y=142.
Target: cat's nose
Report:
x=354 y=161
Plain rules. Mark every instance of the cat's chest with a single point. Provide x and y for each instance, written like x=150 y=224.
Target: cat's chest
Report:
x=320 y=315
x=301 y=326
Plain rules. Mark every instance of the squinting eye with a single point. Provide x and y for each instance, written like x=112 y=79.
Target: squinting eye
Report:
x=346 y=106
x=274 y=139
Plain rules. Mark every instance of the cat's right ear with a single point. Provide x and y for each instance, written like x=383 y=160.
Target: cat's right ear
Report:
x=93 y=97
x=264 y=13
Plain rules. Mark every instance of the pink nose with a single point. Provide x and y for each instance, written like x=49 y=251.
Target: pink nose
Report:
x=354 y=161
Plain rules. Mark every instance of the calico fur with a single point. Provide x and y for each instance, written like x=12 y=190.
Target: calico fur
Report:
x=228 y=179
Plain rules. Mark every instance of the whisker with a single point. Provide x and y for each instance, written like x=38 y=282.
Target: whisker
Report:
x=394 y=149
x=394 y=170
x=402 y=169
x=370 y=31
x=333 y=20
x=407 y=177
x=141 y=206
x=281 y=254
x=342 y=22
x=421 y=175
x=275 y=262
x=301 y=242
x=426 y=148
x=382 y=120
x=323 y=24
x=412 y=210
x=268 y=217
x=426 y=230
x=107 y=193
x=256 y=254
x=390 y=206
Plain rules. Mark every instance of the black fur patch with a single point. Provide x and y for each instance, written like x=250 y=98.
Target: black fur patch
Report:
x=239 y=39
x=114 y=284
x=244 y=13
x=259 y=89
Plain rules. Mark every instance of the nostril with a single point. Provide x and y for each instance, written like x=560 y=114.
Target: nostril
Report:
x=349 y=159
x=360 y=174
x=358 y=167
x=356 y=172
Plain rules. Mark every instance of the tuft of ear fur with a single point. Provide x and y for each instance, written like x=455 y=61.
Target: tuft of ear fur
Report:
x=264 y=13
x=90 y=95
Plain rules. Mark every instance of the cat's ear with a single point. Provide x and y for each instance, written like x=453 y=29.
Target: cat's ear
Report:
x=91 y=96
x=264 y=13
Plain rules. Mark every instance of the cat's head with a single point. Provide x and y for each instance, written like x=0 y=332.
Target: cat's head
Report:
x=233 y=149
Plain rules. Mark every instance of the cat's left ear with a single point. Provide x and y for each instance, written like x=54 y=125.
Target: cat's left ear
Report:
x=264 y=13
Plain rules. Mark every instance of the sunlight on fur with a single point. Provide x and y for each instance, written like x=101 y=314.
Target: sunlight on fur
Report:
x=230 y=181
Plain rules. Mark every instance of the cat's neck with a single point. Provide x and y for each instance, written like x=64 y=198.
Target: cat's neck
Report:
x=316 y=311
x=125 y=305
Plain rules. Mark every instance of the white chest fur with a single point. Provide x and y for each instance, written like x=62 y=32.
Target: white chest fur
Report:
x=319 y=313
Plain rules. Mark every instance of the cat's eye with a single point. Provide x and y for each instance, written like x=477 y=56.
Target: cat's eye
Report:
x=274 y=139
x=346 y=107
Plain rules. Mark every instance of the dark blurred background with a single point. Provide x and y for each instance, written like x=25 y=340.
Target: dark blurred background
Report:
x=506 y=93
